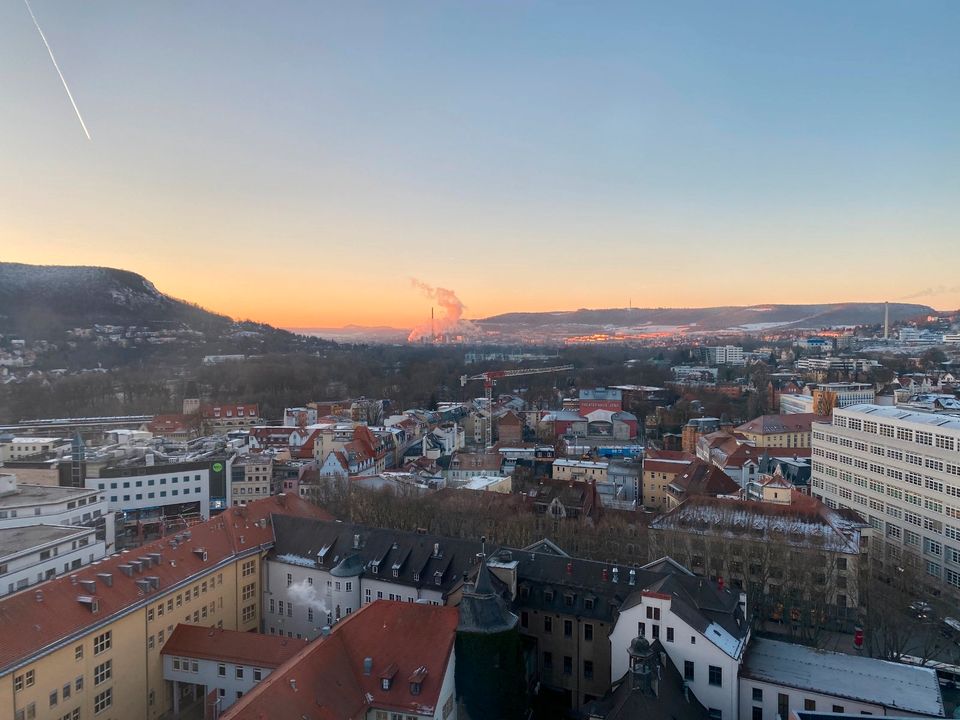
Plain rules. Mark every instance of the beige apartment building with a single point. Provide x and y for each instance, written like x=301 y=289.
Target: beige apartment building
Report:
x=88 y=644
x=660 y=468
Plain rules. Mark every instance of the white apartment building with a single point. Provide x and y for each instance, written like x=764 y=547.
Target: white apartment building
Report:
x=35 y=553
x=701 y=629
x=22 y=505
x=724 y=355
x=901 y=470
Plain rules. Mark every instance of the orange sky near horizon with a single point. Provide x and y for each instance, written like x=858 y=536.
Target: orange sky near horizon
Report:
x=288 y=297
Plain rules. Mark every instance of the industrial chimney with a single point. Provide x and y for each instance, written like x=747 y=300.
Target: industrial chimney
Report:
x=886 y=321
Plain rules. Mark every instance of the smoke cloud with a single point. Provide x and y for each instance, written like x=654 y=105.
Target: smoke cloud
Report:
x=303 y=593
x=449 y=320
x=932 y=292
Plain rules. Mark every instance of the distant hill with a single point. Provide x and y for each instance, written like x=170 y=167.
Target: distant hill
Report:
x=753 y=317
x=38 y=301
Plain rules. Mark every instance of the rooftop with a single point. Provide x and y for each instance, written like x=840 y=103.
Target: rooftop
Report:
x=893 y=685
x=946 y=422
x=59 y=617
x=20 y=539
x=243 y=648
x=778 y=424
x=405 y=642
x=28 y=495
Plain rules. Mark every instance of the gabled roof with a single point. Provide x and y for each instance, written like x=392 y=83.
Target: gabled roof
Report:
x=701 y=478
x=244 y=648
x=894 y=685
x=59 y=616
x=326 y=680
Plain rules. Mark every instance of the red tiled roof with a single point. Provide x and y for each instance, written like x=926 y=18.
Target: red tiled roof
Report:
x=325 y=680
x=59 y=615
x=245 y=648
x=705 y=479
x=652 y=454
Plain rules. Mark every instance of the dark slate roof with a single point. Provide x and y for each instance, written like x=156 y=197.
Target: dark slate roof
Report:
x=483 y=609
x=670 y=702
x=552 y=583
x=411 y=553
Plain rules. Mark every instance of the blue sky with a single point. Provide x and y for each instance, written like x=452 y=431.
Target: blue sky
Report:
x=530 y=156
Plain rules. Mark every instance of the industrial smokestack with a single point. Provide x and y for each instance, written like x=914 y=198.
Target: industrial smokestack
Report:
x=433 y=332
x=886 y=321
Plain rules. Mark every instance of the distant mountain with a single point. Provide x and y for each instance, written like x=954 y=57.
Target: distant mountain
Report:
x=711 y=319
x=38 y=301
x=357 y=333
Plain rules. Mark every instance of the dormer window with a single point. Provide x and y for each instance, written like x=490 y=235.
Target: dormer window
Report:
x=416 y=577
x=386 y=677
x=437 y=577
x=375 y=567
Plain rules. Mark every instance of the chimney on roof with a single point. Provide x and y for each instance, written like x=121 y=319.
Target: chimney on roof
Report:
x=73 y=579
x=569 y=568
x=356 y=541
x=89 y=586
x=107 y=578
x=605 y=575
x=436 y=549
x=367 y=665
x=616 y=574
x=720 y=583
x=293 y=684
x=633 y=576
x=325 y=631
x=39 y=595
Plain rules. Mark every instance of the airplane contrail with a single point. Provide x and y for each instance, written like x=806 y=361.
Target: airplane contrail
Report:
x=62 y=79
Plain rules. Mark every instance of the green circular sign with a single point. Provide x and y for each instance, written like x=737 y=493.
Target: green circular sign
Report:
x=217 y=467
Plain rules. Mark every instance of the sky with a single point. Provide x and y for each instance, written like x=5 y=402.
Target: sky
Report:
x=299 y=163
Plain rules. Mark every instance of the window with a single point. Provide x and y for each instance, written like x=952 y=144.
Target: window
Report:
x=78 y=684
x=102 y=672
x=257 y=674
x=688 y=671
x=249 y=611
x=102 y=701
x=548 y=624
x=221 y=670
x=524 y=619
x=588 y=669
x=669 y=634
x=239 y=672
x=783 y=705
x=809 y=704
x=567 y=665
x=757 y=713
x=588 y=632
x=837 y=708
x=31 y=678
x=757 y=694
x=568 y=628
x=54 y=697
x=78 y=652
x=715 y=676
x=547 y=660
x=66 y=690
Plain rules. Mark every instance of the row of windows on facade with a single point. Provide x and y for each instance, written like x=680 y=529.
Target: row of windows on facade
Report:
x=38 y=511
x=185 y=597
x=151 y=482
x=153 y=495
x=783 y=705
x=894 y=472
x=921 y=437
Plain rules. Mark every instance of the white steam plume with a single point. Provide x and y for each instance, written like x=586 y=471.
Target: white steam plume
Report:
x=304 y=593
x=451 y=312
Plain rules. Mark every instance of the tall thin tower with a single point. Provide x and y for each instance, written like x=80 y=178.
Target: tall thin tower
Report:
x=886 y=321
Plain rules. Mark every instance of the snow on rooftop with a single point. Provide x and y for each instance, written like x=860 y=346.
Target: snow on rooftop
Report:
x=292 y=559
x=893 y=685
x=946 y=422
x=731 y=645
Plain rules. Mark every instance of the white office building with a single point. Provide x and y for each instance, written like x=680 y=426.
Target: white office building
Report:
x=23 y=505
x=901 y=470
x=35 y=553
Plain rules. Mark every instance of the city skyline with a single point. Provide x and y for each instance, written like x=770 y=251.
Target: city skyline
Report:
x=519 y=155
